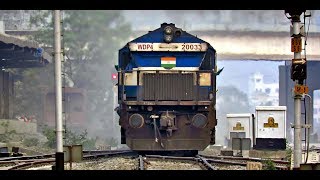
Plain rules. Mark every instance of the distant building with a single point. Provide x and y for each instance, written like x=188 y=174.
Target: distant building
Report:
x=316 y=111
x=17 y=20
x=261 y=93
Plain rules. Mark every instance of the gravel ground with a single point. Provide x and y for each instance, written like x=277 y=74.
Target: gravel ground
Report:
x=127 y=163
x=210 y=152
x=223 y=167
x=46 y=167
x=120 y=163
x=116 y=163
x=171 y=165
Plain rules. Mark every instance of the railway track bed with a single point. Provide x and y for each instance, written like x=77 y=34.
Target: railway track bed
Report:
x=128 y=160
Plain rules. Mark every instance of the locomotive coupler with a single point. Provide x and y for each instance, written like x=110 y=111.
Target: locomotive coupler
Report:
x=154 y=117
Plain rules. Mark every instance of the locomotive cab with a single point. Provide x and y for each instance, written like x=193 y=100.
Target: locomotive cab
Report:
x=166 y=91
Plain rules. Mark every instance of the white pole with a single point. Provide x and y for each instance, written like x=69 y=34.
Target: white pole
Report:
x=116 y=127
x=297 y=132
x=297 y=106
x=58 y=90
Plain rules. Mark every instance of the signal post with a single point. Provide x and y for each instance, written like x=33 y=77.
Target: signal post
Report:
x=298 y=75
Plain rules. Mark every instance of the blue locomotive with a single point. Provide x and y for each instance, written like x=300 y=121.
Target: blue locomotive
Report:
x=166 y=91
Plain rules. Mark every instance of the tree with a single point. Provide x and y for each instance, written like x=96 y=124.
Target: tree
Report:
x=91 y=40
x=28 y=85
x=229 y=100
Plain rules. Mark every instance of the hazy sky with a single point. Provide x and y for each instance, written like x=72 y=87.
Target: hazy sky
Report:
x=237 y=73
x=189 y=20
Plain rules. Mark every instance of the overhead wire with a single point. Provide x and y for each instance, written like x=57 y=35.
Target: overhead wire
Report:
x=307 y=129
x=307 y=119
x=64 y=97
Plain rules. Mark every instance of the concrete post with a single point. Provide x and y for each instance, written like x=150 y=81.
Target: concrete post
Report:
x=58 y=89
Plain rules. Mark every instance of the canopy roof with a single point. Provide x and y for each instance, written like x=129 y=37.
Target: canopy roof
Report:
x=19 y=53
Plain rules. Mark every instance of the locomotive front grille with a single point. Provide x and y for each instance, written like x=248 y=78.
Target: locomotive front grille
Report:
x=168 y=87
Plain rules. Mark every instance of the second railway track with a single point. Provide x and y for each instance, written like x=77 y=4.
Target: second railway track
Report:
x=25 y=162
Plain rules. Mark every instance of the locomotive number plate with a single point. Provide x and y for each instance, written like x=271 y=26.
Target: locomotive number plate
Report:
x=189 y=47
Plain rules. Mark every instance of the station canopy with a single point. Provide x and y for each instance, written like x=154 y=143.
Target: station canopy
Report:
x=19 y=53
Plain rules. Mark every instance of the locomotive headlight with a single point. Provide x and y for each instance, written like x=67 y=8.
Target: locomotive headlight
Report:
x=204 y=79
x=168 y=30
x=136 y=121
x=199 y=120
x=168 y=38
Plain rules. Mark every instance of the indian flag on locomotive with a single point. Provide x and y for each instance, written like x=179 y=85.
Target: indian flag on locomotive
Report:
x=168 y=62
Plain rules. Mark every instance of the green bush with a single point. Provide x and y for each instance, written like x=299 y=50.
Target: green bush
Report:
x=112 y=142
x=288 y=153
x=71 y=138
x=51 y=137
x=8 y=135
x=31 y=142
x=268 y=165
x=89 y=144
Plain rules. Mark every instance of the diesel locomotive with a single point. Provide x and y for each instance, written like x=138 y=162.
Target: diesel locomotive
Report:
x=167 y=91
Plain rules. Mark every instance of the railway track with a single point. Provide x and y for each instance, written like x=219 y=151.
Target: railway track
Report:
x=43 y=156
x=204 y=161
x=26 y=165
x=103 y=154
x=210 y=162
x=40 y=160
x=241 y=161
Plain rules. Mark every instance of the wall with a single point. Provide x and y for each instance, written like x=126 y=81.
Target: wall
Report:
x=19 y=126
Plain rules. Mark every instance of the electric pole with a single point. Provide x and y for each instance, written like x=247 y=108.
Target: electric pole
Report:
x=115 y=121
x=298 y=75
x=58 y=90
